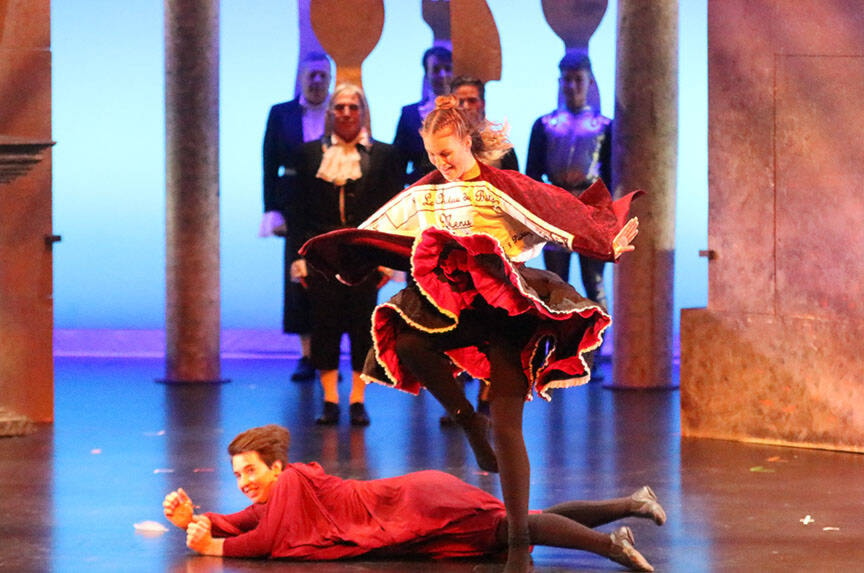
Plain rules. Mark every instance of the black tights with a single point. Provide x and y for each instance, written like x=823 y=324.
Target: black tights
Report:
x=570 y=524
x=499 y=338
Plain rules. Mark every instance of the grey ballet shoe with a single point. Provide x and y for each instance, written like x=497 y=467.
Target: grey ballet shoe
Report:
x=624 y=553
x=646 y=505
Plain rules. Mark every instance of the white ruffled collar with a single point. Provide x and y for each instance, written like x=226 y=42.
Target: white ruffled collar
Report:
x=341 y=160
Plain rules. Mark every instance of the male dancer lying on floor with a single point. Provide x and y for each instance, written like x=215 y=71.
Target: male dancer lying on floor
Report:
x=299 y=512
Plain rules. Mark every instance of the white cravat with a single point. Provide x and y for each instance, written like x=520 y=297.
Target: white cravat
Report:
x=341 y=160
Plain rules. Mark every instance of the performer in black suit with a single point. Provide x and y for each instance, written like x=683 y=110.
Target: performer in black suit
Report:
x=572 y=148
x=289 y=125
x=342 y=180
x=438 y=71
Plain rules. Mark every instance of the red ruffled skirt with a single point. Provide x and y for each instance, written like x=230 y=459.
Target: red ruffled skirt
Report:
x=451 y=272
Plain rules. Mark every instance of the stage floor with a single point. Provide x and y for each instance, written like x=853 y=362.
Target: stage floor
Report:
x=73 y=491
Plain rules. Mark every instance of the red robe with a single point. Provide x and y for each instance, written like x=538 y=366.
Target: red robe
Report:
x=463 y=240
x=314 y=516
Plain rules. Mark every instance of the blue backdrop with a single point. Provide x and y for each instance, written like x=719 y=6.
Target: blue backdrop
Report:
x=109 y=161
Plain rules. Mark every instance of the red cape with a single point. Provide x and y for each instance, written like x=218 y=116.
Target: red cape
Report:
x=452 y=267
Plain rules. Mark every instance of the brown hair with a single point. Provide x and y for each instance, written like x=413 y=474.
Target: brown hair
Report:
x=439 y=52
x=311 y=57
x=488 y=140
x=575 y=61
x=460 y=81
x=271 y=442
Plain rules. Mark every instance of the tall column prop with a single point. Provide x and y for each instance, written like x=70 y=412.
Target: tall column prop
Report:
x=26 y=235
x=645 y=156
x=192 y=320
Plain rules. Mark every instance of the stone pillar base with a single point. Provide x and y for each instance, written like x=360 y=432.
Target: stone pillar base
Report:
x=793 y=381
x=173 y=382
x=12 y=424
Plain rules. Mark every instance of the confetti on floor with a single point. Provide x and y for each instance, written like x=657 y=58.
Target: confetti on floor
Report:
x=761 y=469
x=149 y=527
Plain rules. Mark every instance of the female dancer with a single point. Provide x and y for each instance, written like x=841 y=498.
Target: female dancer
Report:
x=467 y=229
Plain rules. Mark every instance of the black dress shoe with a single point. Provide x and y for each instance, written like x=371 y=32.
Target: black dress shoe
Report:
x=359 y=417
x=330 y=415
x=304 y=372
